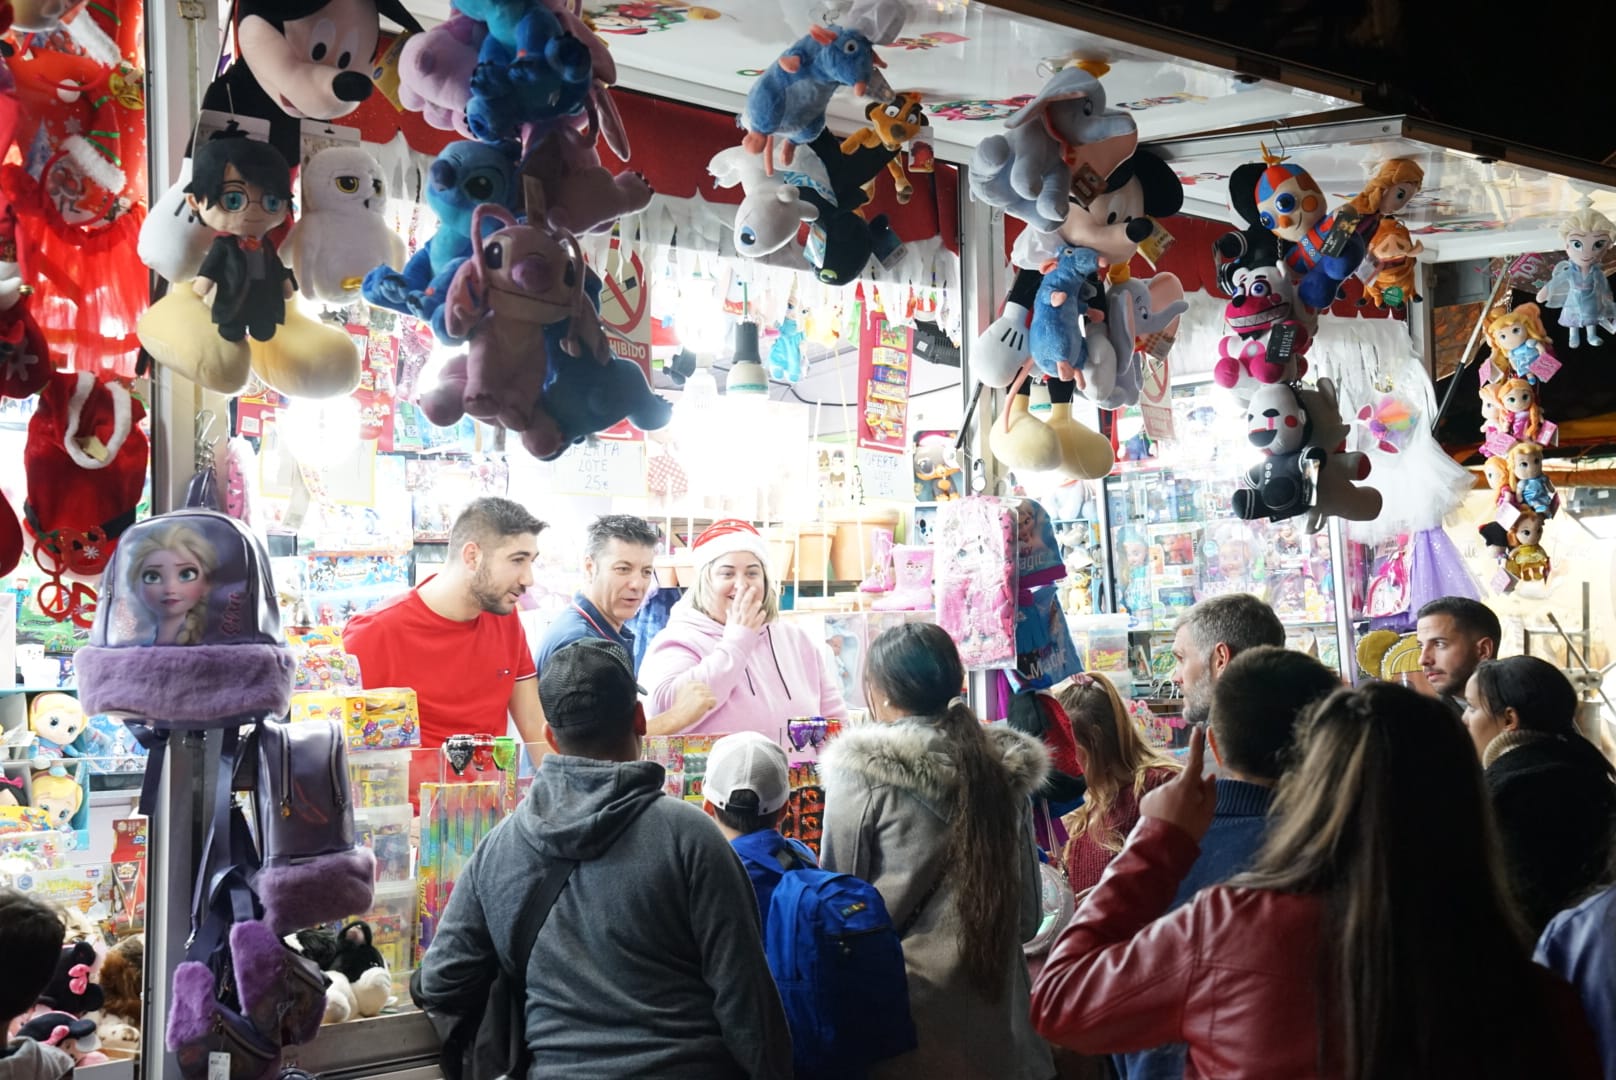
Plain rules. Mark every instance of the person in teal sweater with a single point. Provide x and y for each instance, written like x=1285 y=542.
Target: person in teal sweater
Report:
x=1256 y=705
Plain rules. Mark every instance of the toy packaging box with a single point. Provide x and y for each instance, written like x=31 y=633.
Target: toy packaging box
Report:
x=321 y=663
x=382 y=719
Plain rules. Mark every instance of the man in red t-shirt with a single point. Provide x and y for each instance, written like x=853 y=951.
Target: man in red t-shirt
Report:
x=455 y=639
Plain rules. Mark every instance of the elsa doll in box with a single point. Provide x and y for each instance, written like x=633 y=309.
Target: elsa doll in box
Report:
x=1578 y=286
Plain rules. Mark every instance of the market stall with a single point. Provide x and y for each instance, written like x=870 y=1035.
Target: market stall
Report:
x=855 y=349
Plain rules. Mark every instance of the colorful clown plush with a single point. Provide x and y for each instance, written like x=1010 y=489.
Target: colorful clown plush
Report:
x=1289 y=203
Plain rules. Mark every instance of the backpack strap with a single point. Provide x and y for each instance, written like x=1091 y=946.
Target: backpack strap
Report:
x=532 y=919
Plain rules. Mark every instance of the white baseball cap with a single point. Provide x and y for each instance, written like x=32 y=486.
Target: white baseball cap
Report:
x=747 y=761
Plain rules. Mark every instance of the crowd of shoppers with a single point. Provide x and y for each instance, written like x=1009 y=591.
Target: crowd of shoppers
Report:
x=1331 y=882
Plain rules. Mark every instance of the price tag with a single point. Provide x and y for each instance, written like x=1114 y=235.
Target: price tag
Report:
x=1548 y=433
x=1282 y=342
x=1502 y=582
x=1086 y=185
x=1487 y=372
x=1545 y=366
x=1341 y=232
x=1154 y=246
x=1498 y=443
x=218 y=1065
x=1508 y=514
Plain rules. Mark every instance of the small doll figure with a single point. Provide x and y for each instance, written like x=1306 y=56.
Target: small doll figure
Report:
x=56 y=720
x=1532 y=488
x=1518 y=340
x=169 y=576
x=59 y=795
x=1578 y=286
x=1518 y=409
x=1527 y=561
x=1495 y=471
x=12 y=791
x=1392 y=187
x=242 y=189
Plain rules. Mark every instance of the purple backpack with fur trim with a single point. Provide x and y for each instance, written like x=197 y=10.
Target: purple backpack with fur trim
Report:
x=187 y=637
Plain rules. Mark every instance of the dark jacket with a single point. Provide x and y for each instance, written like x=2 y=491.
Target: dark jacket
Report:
x=1553 y=802
x=651 y=962
x=1580 y=947
x=1233 y=973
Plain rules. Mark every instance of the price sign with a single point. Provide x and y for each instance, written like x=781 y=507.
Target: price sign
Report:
x=606 y=467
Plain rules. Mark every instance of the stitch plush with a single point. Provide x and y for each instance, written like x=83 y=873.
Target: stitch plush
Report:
x=521 y=280
x=341 y=235
x=1578 y=286
x=463 y=176
x=789 y=100
x=1063 y=134
x=434 y=72
x=537 y=73
x=1055 y=338
x=573 y=191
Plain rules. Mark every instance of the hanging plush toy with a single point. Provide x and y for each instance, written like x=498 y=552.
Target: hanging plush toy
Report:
x=1265 y=342
x=1532 y=488
x=1062 y=144
x=1304 y=470
x=300 y=59
x=570 y=189
x=1526 y=560
x=1055 y=338
x=893 y=126
x=532 y=72
x=342 y=234
x=772 y=208
x=1578 y=286
x=788 y=101
x=1393 y=187
x=1391 y=253
x=1290 y=204
x=464 y=176
x=434 y=72
x=1520 y=344
x=521 y=280
x=785 y=357
x=242 y=190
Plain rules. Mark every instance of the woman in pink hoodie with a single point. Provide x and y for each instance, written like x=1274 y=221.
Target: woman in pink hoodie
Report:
x=726 y=633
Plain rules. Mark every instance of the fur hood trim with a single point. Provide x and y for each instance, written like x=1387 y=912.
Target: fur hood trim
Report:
x=909 y=754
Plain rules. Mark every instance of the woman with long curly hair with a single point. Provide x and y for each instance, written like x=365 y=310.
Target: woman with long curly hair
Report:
x=932 y=808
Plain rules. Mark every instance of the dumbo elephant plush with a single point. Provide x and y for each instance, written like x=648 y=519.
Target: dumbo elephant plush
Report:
x=1062 y=137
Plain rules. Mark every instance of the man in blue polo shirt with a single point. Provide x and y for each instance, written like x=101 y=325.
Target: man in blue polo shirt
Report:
x=618 y=558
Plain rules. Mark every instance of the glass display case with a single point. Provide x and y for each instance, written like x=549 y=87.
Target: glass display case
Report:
x=1174 y=539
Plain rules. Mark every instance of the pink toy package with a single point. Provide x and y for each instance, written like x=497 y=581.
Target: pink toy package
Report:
x=975 y=539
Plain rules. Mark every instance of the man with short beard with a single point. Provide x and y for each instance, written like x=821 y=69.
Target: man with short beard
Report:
x=455 y=639
x=1208 y=636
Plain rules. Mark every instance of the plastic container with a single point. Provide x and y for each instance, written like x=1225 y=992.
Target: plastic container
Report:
x=385 y=830
x=1107 y=637
x=379 y=777
x=392 y=926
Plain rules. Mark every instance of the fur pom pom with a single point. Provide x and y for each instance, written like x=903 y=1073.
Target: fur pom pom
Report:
x=318 y=890
x=190 y=1016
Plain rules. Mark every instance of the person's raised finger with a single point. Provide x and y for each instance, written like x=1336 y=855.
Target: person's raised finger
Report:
x=1193 y=761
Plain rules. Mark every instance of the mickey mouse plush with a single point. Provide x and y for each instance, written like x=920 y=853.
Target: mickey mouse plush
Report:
x=302 y=58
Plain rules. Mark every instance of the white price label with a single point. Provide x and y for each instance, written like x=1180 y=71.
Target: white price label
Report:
x=218 y=1065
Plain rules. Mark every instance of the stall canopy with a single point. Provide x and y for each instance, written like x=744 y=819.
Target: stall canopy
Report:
x=970 y=61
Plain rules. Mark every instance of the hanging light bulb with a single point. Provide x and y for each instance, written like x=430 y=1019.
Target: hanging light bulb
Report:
x=746 y=373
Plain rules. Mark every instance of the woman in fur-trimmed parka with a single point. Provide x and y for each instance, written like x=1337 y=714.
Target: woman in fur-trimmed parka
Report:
x=933 y=809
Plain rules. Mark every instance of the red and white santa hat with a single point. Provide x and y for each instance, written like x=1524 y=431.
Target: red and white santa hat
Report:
x=726 y=537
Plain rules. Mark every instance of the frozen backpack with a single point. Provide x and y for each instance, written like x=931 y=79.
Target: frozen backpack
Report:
x=838 y=963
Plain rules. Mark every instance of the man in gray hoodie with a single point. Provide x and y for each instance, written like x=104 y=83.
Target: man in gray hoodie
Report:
x=651 y=961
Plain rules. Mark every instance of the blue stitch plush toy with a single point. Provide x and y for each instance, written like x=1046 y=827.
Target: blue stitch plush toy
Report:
x=785 y=358
x=1056 y=334
x=464 y=175
x=790 y=98
x=545 y=73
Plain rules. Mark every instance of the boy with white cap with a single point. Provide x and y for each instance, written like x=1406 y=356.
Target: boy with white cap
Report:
x=746 y=788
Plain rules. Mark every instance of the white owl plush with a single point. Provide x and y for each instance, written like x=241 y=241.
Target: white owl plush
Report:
x=342 y=234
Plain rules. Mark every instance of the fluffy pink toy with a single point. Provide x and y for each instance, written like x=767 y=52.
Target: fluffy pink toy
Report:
x=434 y=72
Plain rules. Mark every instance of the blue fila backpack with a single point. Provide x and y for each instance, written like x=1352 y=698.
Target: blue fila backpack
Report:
x=838 y=963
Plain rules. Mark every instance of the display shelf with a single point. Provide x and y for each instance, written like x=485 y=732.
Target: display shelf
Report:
x=40 y=689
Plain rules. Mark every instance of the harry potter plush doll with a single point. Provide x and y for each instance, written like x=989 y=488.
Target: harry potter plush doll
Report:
x=242 y=189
